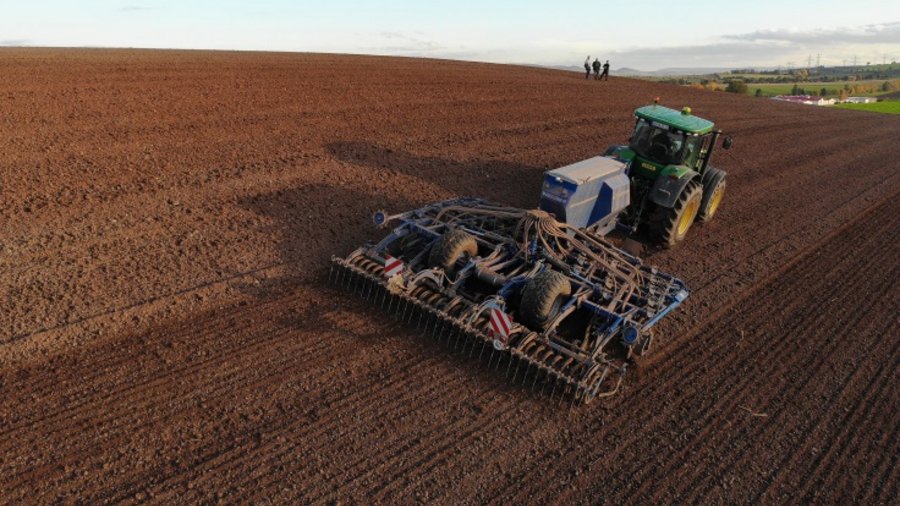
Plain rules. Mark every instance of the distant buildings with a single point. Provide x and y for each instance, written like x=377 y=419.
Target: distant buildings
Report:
x=860 y=100
x=815 y=100
x=806 y=99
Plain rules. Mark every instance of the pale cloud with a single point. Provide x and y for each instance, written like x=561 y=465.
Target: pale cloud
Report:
x=887 y=33
x=133 y=8
x=773 y=48
x=404 y=44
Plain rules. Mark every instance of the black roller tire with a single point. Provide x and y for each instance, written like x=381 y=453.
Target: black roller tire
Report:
x=542 y=298
x=450 y=248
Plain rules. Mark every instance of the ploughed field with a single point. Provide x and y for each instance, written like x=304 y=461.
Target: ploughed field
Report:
x=167 y=334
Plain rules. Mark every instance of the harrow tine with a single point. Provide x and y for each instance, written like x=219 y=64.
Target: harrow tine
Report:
x=419 y=322
x=509 y=363
x=563 y=394
x=448 y=333
x=330 y=273
x=491 y=359
x=525 y=374
x=438 y=328
x=348 y=279
x=519 y=362
x=537 y=374
x=464 y=338
x=429 y=320
x=413 y=309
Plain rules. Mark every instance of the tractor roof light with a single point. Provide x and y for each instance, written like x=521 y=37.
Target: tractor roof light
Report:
x=686 y=111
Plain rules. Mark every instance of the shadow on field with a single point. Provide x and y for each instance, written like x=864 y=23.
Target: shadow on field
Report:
x=312 y=222
x=501 y=181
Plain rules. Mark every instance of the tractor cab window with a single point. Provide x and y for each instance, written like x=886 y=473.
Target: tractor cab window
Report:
x=659 y=144
x=693 y=148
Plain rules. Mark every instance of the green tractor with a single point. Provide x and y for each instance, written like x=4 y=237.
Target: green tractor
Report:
x=672 y=183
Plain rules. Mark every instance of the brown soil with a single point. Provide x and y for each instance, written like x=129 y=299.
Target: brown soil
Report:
x=166 y=335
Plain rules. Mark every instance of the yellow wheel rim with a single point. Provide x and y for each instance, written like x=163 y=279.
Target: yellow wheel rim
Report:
x=687 y=216
x=716 y=200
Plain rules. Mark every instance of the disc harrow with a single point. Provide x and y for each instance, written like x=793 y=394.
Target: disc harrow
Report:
x=576 y=343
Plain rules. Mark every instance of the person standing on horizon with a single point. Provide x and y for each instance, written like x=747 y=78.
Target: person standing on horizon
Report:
x=596 y=69
x=587 y=67
x=605 y=73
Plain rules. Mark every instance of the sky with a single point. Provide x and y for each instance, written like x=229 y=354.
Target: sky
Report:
x=645 y=35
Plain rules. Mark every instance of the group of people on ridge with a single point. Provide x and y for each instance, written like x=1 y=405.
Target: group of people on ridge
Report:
x=596 y=66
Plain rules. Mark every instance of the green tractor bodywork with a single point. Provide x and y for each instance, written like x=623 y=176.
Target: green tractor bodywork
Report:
x=672 y=181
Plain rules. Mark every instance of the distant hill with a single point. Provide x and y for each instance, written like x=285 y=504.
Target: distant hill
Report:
x=667 y=72
x=672 y=71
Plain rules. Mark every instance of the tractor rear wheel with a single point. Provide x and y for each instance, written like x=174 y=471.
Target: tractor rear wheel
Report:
x=669 y=225
x=542 y=298
x=450 y=248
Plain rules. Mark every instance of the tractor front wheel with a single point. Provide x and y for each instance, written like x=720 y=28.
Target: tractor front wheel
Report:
x=713 y=192
x=669 y=225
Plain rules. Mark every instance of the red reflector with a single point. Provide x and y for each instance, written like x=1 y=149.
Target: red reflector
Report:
x=673 y=176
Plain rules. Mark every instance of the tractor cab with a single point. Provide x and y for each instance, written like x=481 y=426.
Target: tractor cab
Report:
x=665 y=137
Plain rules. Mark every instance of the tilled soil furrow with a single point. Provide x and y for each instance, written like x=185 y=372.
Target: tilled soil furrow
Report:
x=843 y=423
x=229 y=382
x=655 y=418
x=162 y=376
x=390 y=444
x=360 y=404
x=216 y=464
x=810 y=277
x=875 y=461
x=769 y=433
x=856 y=443
x=710 y=435
x=807 y=329
x=314 y=393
